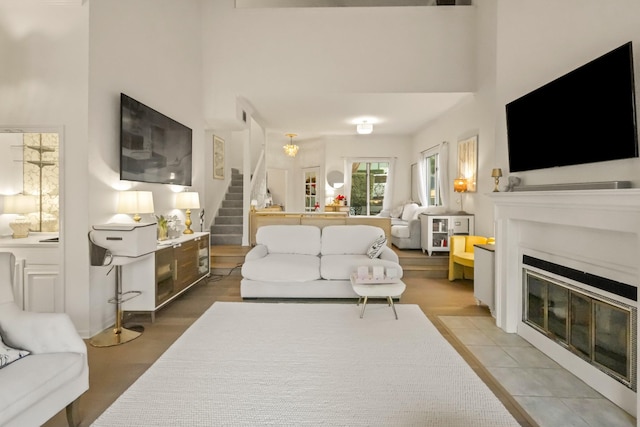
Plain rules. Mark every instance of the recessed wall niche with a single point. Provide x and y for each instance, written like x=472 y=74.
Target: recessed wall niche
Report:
x=30 y=166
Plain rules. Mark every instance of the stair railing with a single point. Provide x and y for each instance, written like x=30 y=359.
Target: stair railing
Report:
x=258 y=187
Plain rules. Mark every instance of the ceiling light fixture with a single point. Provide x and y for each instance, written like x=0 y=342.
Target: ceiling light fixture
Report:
x=364 y=128
x=291 y=149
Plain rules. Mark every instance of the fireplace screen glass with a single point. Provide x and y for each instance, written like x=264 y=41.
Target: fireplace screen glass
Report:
x=597 y=330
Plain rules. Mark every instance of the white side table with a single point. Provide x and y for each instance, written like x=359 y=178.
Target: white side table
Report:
x=378 y=290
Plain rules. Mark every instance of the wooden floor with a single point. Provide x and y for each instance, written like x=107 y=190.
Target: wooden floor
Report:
x=113 y=369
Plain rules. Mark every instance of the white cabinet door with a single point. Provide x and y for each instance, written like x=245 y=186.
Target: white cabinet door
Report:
x=43 y=291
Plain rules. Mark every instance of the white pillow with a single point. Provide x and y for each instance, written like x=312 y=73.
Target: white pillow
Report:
x=408 y=211
x=8 y=354
x=397 y=211
x=377 y=247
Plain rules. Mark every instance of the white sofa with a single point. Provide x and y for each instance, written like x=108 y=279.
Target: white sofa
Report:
x=37 y=386
x=304 y=261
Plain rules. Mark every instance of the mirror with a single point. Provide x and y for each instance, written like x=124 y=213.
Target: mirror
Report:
x=29 y=165
x=335 y=179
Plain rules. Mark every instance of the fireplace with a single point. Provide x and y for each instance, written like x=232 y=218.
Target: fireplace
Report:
x=596 y=328
x=567 y=274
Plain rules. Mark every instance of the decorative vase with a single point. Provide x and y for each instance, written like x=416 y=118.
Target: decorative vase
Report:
x=162 y=233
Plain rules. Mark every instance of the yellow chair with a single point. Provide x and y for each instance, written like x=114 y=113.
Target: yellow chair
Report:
x=461 y=255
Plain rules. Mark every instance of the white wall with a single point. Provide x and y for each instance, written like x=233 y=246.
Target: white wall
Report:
x=154 y=56
x=542 y=40
x=44 y=82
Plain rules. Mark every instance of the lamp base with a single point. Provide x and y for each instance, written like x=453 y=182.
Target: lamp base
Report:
x=20 y=229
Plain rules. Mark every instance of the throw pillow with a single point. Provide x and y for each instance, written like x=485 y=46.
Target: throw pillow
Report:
x=408 y=211
x=8 y=354
x=397 y=211
x=377 y=247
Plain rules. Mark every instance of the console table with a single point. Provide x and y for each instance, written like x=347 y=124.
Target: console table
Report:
x=162 y=276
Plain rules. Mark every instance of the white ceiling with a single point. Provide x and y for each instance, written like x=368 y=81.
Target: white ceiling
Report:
x=315 y=116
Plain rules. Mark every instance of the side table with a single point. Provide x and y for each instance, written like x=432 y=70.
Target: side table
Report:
x=378 y=290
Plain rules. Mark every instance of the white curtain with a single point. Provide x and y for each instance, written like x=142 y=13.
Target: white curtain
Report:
x=443 y=173
x=422 y=179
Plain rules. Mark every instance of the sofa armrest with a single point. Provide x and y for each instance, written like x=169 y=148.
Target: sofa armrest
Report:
x=39 y=332
x=414 y=227
x=257 y=252
x=389 y=255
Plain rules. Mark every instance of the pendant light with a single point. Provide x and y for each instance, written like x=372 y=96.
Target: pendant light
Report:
x=291 y=149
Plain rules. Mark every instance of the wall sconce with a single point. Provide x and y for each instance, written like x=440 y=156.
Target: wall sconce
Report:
x=460 y=186
x=135 y=202
x=291 y=149
x=20 y=204
x=188 y=200
x=364 y=128
x=496 y=174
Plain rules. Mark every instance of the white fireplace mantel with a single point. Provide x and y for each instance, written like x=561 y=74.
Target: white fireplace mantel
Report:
x=596 y=231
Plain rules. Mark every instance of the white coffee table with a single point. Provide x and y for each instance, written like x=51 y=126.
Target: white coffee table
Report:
x=377 y=290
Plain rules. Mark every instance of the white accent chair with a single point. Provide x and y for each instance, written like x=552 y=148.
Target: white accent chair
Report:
x=56 y=373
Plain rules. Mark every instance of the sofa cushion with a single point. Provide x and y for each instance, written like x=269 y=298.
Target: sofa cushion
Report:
x=34 y=377
x=340 y=267
x=290 y=239
x=349 y=239
x=10 y=354
x=283 y=268
x=402 y=231
x=396 y=212
x=376 y=247
x=409 y=210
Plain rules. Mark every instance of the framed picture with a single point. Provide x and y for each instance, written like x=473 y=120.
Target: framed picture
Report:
x=468 y=161
x=218 y=157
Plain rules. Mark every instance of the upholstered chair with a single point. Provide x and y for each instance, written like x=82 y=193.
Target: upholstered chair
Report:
x=54 y=374
x=461 y=259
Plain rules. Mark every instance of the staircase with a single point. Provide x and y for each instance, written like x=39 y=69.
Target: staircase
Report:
x=227 y=225
x=415 y=263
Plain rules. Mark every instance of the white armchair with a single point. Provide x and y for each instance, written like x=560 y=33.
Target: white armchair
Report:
x=55 y=373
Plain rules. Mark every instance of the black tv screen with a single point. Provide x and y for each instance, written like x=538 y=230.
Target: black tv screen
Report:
x=153 y=147
x=585 y=116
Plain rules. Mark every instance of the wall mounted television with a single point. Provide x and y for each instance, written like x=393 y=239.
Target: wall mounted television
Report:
x=585 y=116
x=153 y=147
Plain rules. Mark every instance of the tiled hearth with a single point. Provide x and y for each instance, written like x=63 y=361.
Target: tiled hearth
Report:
x=594 y=232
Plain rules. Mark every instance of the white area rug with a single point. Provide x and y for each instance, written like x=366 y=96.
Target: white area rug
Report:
x=287 y=364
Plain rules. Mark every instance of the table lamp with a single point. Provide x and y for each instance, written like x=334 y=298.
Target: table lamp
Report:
x=135 y=202
x=460 y=186
x=20 y=204
x=496 y=173
x=188 y=200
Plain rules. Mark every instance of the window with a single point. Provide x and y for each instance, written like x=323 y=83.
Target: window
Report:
x=432 y=176
x=368 y=185
x=432 y=180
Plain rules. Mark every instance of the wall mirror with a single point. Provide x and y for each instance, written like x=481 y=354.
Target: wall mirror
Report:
x=29 y=165
x=335 y=179
x=468 y=161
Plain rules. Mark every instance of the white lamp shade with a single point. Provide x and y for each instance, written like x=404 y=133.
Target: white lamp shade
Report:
x=135 y=202
x=187 y=200
x=19 y=204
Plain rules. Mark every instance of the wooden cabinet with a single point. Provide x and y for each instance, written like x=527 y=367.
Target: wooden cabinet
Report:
x=172 y=269
x=337 y=208
x=436 y=229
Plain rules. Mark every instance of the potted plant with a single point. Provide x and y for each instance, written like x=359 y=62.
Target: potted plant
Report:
x=162 y=227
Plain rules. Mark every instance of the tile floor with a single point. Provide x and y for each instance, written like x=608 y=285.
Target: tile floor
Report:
x=550 y=395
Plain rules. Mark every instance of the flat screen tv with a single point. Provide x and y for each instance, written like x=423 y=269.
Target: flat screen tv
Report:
x=585 y=116
x=153 y=147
